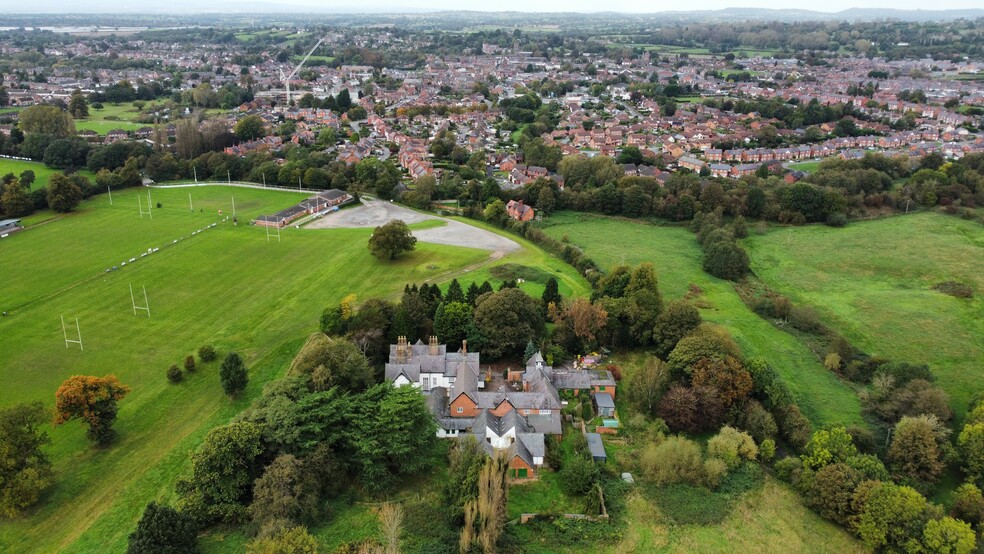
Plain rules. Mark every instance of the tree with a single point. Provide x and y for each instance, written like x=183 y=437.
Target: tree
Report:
x=495 y=213
x=63 y=194
x=728 y=376
x=508 y=319
x=16 y=200
x=968 y=504
x=285 y=491
x=390 y=432
x=678 y=408
x=174 y=374
x=250 y=127
x=485 y=517
x=93 y=400
x=232 y=374
x=392 y=239
x=455 y=294
x=163 y=530
x=971 y=445
x=726 y=260
x=893 y=518
x=25 y=471
x=545 y=200
x=466 y=459
x=331 y=362
x=451 y=321
x=706 y=341
x=77 y=106
x=832 y=492
x=646 y=385
x=551 y=293
x=918 y=450
x=828 y=446
x=678 y=320
x=579 y=475
x=45 y=119
x=949 y=536
x=223 y=469
x=581 y=317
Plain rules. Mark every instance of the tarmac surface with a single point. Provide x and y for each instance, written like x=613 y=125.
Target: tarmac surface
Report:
x=373 y=213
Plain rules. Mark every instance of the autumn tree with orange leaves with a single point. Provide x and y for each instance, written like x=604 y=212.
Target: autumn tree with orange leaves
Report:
x=92 y=399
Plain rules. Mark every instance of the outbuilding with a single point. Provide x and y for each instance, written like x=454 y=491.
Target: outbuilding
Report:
x=597 y=448
x=604 y=405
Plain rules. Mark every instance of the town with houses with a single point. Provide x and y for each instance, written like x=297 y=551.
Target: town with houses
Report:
x=595 y=119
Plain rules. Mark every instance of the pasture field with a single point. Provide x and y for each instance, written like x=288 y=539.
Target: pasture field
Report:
x=111 y=116
x=41 y=172
x=873 y=282
x=674 y=252
x=225 y=285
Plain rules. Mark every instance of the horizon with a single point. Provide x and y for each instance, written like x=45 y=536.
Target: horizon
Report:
x=409 y=7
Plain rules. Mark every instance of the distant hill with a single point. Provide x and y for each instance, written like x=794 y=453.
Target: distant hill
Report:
x=232 y=7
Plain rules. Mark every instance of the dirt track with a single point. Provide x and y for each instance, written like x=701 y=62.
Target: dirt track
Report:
x=377 y=212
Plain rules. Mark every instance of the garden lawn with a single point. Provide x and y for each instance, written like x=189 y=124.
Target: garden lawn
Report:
x=41 y=172
x=225 y=285
x=674 y=252
x=873 y=282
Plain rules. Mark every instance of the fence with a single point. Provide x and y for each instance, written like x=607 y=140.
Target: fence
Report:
x=243 y=184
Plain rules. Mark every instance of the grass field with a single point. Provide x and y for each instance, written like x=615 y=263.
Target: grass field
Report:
x=771 y=519
x=873 y=280
x=110 y=117
x=809 y=167
x=677 y=258
x=41 y=172
x=226 y=285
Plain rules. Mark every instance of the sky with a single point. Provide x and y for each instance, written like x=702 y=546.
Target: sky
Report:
x=375 y=6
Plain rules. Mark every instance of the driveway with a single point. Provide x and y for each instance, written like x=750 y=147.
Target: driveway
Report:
x=373 y=213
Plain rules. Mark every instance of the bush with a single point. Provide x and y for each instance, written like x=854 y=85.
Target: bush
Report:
x=732 y=446
x=579 y=475
x=675 y=460
x=189 y=363
x=767 y=450
x=789 y=468
x=714 y=470
x=174 y=374
x=206 y=353
x=837 y=219
x=163 y=529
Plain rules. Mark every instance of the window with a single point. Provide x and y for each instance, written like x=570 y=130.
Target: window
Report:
x=544 y=412
x=460 y=409
x=601 y=388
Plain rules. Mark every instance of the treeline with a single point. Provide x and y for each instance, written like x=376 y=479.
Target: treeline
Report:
x=837 y=190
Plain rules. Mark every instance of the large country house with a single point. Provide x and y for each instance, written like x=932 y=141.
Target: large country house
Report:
x=515 y=417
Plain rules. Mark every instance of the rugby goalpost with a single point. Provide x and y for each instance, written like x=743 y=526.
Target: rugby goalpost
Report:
x=133 y=301
x=78 y=332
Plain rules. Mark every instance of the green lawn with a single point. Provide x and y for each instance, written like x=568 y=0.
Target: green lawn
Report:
x=110 y=117
x=227 y=286
x=41 y=172
x=570 y=282
x=872 y=281
x=809 y=167
x=674 y=251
